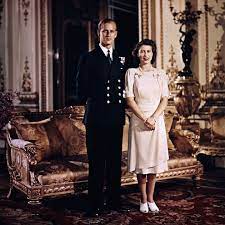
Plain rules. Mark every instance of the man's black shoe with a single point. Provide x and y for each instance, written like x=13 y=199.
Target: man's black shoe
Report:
x=119 y=208
x=93 y=213
x=123 y=209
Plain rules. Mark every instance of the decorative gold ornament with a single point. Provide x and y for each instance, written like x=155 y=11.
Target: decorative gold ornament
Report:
x=172 y=71
x=25 y=6
x=26 y=85
x=28 y=97
x=187 y=99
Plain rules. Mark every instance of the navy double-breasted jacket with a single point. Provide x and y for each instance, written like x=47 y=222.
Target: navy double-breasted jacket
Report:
x=100 y=85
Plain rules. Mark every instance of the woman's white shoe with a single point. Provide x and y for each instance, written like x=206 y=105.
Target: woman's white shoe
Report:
x=144 y=207
x=153 y=207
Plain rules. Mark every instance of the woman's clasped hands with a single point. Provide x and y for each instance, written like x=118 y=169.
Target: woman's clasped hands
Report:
x=150 y=122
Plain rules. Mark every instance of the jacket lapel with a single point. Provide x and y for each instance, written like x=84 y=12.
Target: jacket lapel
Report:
x=103 y=63
x=107 y=70
x=115 y=65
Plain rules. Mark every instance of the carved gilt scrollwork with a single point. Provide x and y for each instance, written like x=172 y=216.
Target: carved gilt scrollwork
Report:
x=34 y=194
x=16 y=175
x=75 y=111
x=31 y=152
x=33 y=180
x=44 y=22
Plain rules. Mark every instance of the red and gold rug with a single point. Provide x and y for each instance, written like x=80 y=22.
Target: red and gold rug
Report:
x=180 y=204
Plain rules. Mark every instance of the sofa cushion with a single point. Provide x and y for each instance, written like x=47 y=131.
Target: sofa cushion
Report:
x=78 y=158
x=73 y=132
x=45 y=135
x=36 y=134
x=57 y=144
x=83 y=159
x=179 y=160
x=70 y=169
x=60 y=171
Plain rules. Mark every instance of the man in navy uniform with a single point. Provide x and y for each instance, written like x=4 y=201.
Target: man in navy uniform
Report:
x=100 y=85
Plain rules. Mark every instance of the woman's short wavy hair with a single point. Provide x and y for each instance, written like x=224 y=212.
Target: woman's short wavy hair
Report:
x=145 y=42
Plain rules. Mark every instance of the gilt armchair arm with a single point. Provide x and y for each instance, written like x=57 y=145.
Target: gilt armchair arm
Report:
x=27 y=147
x=21 y=160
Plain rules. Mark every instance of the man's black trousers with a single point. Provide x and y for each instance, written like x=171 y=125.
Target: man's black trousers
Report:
x=104 y=147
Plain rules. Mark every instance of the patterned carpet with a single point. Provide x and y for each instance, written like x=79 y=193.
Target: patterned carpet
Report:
x=179 y=202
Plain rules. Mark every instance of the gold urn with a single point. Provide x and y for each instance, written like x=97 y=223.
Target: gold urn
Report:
x=187 y=98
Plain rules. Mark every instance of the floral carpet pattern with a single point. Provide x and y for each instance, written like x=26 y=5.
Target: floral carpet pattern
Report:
x=179 y=201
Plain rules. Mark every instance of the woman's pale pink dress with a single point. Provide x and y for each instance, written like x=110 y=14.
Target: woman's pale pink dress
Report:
x=147 y=150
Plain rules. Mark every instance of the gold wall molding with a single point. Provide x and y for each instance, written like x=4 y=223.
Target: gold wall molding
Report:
x=43 y=34
x=26 y=84
x=152 y=19
x=145 y=14
x=207 y=46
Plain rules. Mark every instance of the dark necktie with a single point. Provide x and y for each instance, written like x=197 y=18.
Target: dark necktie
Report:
x=108 y=57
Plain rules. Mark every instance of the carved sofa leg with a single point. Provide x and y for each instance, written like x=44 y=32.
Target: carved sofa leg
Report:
x=34 y=196
x=10 y=191
x=34 y=199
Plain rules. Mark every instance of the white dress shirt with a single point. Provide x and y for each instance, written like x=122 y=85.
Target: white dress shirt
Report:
x=105 y=51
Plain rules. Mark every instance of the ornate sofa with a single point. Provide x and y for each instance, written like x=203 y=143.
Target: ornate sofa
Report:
x=46 y=153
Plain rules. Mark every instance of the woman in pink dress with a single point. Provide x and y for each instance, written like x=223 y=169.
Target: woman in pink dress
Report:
x=147 y=96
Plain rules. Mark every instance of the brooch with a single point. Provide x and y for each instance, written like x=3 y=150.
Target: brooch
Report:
x=137 y=75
